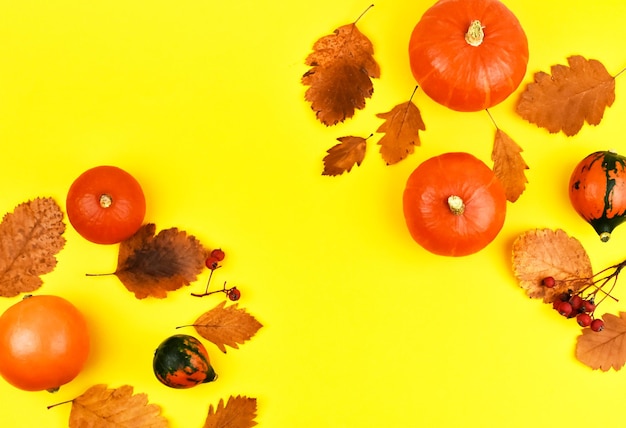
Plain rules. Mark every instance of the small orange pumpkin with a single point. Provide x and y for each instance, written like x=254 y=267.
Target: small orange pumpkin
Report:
x=597 y=191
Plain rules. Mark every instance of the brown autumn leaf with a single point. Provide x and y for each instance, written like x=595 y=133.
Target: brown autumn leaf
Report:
x=30 y=237
x=100 y=407
x=343 y=156
x=604 y=349
x=401 y=127
x=227 y=326
x=239 y=412
x=508 y=165
x=570 y=96
x=150 y=265
x=342 y=65
x=540 y=253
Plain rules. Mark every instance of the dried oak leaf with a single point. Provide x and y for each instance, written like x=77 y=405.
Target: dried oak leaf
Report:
x=343 y=156
x=540 y=253
x=239 y=412
x=570 y=96
x=342 y=65
x=100 y=407
x=30 y=237
x=227 y=326
x=401 y=127
x=604 y=349
x=150 y=265
x=509 y=166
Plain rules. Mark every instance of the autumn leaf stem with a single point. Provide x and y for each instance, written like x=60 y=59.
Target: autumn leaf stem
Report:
x=618 y=74
x=363 y=13
x=492 y=118
x=59 y=404
x=100 y=274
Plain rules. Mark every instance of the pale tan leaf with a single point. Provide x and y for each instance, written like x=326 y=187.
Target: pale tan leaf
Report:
x=604 y=349
x=239 y=412
x=540 y=253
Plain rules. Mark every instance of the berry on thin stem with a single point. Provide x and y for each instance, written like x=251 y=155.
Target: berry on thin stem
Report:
x=597 y=325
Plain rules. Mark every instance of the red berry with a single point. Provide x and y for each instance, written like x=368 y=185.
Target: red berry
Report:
x=597 y=325
x=565 y=309
x=233 y=294
x=588 y=306
x=548 y=281
x=576 y=301
x=212 y=262
x=218 y=254
x=584 y=320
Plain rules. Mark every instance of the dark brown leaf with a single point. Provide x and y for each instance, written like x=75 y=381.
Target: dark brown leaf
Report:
x=570 y=96
x=509 y=166
x=342 y=65
x=30 y=237
x=239 y=412
x=401 y=127
x=151 y=265
x=604 y=349
x=227 y=326
x=343 y=156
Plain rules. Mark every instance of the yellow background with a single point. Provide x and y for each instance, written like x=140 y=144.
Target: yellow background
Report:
x=201 y=101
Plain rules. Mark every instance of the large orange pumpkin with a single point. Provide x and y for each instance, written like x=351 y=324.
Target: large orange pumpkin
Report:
x=597 y=191
x=454 y=205
x=468 y=55
x=44 y=343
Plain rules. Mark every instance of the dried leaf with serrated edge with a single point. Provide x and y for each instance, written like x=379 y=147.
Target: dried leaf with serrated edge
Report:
x=604 y=349
x=99 y=407
x=342 y=65
x=570 y=96
x=239 y=412
x=401 y=127
x=151 y=265
x=227 y=326
x=541 y=253
x=343 y=156
x=30 y=237
x=509 y=166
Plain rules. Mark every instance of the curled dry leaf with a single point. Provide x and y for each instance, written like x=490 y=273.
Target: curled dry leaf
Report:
x=30 y=237
x=509 y=166
x=227 y=326
x=100 y=407
x=342 y=65
x=343 y=156
x=604 y=349
x=570 y=96
x=239 y=412
x=150 y=265
x=401 y=127
x=541 y=253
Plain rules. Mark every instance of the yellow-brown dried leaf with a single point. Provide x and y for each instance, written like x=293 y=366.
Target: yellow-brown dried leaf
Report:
x=239 y=412
x=604 y=349
x=570 y=96
x=401 y=127
x=150 y=265
x=30 y=237
x=100 y=407
x=342 y=65
x=509 y=166
x=343 y=156
x=540 y=253
x=227 y=326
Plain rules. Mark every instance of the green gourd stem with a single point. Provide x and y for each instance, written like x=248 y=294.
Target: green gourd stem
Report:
x=456 y=205
x=475 y=34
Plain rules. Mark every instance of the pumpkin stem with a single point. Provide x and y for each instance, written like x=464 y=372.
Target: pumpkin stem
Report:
x=456 y=205
x=475 y=33
x=605 y=236
x=106 y=200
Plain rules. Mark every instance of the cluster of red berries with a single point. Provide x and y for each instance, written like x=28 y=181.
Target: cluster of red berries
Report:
x=213 y=262
x=572 y=305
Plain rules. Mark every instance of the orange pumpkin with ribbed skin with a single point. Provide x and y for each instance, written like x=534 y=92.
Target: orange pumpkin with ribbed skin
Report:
x=597 y=191
x=181 y=361
x=44 y=343
x=468 y=55
x=454 y=205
